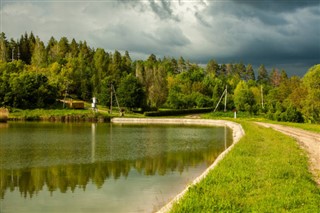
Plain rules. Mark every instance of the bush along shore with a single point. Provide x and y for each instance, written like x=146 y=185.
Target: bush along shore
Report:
x=265 y=172
x=59 y=115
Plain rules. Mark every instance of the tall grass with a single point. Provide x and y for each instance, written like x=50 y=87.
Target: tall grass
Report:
x=265 y=172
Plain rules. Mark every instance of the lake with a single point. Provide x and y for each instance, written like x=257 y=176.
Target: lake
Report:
x=101 y=167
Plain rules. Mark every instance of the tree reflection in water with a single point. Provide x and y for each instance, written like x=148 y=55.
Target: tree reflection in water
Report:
x=64 y=157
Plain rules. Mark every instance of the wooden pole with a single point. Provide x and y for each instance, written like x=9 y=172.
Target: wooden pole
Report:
x=115 y=95
x=219 y=100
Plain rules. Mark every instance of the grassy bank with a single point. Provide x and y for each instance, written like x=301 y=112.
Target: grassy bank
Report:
x=244 y=116
x=265 y=172
x=67 y=115
x=58 y=115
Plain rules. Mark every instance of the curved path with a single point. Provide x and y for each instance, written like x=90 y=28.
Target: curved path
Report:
x=308 y=140
x=237 y=132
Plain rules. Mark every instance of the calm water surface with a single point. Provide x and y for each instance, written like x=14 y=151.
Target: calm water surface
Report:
x=84 y=167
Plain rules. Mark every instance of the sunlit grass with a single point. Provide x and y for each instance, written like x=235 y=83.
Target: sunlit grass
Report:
x=265 y=172
x=74 y=114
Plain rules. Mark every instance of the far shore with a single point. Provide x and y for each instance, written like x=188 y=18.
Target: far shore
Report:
x=237 y=132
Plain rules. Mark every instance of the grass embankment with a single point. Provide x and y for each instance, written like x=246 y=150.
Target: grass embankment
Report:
x=58 y=115
x=67 y=115
x=265 y=172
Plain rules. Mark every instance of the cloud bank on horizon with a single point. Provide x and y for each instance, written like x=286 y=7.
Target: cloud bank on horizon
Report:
x=276 y=33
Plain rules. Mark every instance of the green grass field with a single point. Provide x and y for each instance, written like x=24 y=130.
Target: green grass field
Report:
x=265 y=172
x=58 y=114
x=61 y=113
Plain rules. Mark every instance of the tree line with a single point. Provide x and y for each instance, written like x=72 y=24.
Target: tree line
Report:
x=34 y=75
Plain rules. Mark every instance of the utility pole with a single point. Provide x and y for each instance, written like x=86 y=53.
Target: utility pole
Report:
x=225 y=100
x=225 y=106
x=115 y=95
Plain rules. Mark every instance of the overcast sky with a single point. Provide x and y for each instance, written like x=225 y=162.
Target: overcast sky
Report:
x=276 y=33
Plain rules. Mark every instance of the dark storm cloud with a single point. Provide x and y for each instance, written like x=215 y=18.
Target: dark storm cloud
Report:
x=274 y=33
x=201 y=19
x=271 y=11
x=278 y=5
x=265 y=32
x=163 y=9
x=169 y=36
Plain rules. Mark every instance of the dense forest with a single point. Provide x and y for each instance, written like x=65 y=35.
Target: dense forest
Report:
x=35 y=75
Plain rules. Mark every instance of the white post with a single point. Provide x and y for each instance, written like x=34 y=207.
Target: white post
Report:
x=94 y=104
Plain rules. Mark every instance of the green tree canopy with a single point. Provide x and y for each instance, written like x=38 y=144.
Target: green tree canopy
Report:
x=243 y=97
x=311 y=80
x=263 y=77
x=130 y=92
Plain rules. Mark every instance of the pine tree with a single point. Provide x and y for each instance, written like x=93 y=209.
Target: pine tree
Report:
x=250 y=73
x=283 y=75
x=212 y=68
x=127 y=62
x=63 y=49
x=31 y=43
x=52 y=50
x=275 y=77
x=74 y=48
x=24 y=50
x=39 y=56
x=240 y=70
x=263 y=77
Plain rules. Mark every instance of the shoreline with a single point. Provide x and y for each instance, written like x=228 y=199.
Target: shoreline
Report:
x=237 y=132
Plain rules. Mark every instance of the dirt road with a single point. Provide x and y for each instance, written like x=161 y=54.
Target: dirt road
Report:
x=308 y=140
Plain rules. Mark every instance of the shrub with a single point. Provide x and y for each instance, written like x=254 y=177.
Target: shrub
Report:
x=178 y=112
